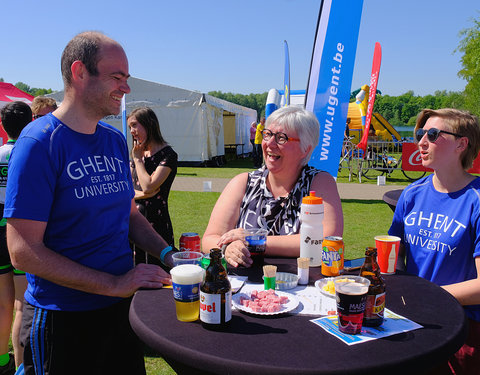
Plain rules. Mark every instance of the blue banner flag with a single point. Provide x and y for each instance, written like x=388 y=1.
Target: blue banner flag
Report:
x=286 y=76
x=330 y=79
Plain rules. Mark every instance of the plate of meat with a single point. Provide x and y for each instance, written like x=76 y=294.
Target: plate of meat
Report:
x=265 y=302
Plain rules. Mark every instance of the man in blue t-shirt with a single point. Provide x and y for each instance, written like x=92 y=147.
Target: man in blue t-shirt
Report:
x=70 y=211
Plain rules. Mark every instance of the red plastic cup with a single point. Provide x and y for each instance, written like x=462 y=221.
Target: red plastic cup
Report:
x=387 y=253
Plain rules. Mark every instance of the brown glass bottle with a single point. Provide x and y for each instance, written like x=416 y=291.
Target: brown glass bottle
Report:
x=215 y=294
x=375 y=304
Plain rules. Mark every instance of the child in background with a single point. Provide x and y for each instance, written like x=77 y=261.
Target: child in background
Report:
x=15 y=116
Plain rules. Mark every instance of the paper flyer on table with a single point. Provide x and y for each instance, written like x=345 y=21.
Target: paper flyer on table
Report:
x=392 y=324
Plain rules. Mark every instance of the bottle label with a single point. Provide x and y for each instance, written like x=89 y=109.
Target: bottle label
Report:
x=185 y=293
x=375 y=306
x=211 y=307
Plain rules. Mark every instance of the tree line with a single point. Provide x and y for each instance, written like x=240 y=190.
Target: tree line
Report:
x=398 y=110
x=30 y=90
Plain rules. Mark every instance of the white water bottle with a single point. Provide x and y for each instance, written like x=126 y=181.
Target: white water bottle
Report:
x=311 y=229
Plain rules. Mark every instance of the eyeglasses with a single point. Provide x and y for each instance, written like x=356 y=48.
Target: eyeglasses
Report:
x=280 y=138
x=36 y=116
x=432 y=134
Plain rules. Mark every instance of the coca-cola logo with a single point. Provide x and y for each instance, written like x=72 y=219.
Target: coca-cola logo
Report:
x=415 y=158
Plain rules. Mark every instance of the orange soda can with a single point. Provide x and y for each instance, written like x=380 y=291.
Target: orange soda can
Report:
x=332 y=256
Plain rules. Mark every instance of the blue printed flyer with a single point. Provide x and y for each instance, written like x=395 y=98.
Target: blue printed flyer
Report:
x=392 y=325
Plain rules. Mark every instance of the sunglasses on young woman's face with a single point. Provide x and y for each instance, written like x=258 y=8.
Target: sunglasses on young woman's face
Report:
x=432 y=134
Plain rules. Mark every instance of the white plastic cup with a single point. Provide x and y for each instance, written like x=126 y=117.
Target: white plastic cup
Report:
x=187 y=257
x=186 y=280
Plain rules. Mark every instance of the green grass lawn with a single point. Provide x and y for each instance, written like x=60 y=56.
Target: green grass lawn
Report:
x=236 y=166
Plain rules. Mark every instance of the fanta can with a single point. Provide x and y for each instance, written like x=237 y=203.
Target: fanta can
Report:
x=332 y=256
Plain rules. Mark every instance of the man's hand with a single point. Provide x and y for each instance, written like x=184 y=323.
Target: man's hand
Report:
x=148 y=276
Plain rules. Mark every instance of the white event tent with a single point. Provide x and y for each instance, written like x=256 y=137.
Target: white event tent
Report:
x=198 y=126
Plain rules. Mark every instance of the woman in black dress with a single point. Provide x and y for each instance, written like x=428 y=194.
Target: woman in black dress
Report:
x=153 y=166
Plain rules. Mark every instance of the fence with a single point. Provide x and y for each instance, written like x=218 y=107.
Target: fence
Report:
x=381 y=158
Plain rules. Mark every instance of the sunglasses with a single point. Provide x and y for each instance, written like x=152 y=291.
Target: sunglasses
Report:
x=37 y=116
x=432 y=134
x=280 y=138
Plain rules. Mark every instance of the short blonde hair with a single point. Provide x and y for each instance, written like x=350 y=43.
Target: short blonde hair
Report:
x=460 y=122
x=40 y=102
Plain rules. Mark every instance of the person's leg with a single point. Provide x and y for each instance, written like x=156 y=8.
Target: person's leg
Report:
x=260 y=155
x=56 y=342
x=467 y=359
x=123 y=352
x=7 y=296
x=20 y=282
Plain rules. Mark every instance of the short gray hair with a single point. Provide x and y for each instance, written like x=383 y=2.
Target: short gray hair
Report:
x=301 y=121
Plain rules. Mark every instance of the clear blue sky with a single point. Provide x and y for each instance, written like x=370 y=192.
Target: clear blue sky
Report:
x=237 y=46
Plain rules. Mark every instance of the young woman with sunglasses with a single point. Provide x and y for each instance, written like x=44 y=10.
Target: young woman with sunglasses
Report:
x=270 y=197
x=438 y=219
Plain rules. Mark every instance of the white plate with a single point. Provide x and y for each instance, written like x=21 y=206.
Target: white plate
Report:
x=321 y=283
x=289 y=306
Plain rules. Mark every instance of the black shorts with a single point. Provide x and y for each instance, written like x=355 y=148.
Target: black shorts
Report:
x=85 y=342
x=5 y=261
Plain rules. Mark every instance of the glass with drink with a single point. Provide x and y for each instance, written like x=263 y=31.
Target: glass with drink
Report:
x=186 y=280
x=256 y=239
x=351 y=294
x=187 y=257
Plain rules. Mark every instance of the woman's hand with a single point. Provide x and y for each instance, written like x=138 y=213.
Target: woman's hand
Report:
x=232 y=235
x=237 y=254
x=137 y=150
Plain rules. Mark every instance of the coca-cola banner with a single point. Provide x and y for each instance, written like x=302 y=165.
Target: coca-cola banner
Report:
x=412 y=161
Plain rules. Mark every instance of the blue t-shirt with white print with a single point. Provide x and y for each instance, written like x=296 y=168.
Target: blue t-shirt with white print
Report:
x=440 y=232
x=80 y=184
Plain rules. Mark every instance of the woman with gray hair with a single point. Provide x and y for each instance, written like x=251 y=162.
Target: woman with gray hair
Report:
x=270 y=197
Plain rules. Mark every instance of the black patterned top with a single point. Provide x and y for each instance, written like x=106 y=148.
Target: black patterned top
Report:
x=281 y=216
x=155 y=208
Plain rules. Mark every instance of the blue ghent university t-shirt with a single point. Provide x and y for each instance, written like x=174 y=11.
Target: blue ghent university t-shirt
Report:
x=80 y=184
x=440 y=232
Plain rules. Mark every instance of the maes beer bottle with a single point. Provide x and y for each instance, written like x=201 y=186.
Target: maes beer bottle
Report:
x=375 y=305
x=215 y=294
